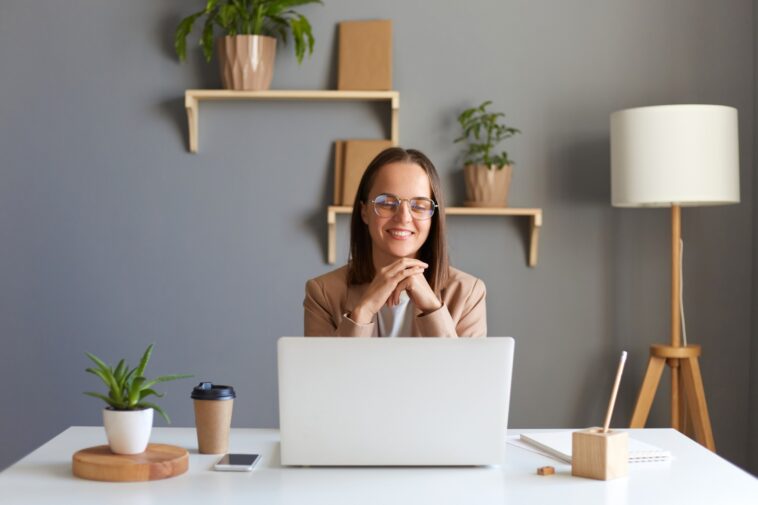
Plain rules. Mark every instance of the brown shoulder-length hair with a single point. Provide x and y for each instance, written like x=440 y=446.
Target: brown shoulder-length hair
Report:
x=433 y=251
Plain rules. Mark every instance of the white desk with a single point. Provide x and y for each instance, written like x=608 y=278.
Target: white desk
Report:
x=695 y=476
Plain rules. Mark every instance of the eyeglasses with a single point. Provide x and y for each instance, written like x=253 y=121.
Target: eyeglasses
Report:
x=387 y=205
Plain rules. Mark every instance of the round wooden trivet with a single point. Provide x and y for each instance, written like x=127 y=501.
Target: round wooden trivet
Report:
x=159 y=461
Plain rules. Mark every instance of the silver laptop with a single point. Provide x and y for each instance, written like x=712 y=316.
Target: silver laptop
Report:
x=394 y=401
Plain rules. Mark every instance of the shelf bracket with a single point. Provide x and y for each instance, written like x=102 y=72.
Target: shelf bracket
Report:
x=534 y=238
x=191 y=104
x=395 y=120
x=331 y=221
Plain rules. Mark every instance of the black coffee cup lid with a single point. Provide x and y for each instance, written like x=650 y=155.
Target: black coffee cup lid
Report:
x=210 y=391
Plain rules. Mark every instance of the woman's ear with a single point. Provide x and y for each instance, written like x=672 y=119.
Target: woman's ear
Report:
x=364 y=217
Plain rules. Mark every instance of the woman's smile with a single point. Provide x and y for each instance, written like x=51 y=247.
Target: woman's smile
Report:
x=399 y=233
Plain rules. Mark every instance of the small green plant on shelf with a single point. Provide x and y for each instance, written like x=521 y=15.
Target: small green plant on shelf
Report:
x=274 y=18
x=128 y=387
x=483 y=131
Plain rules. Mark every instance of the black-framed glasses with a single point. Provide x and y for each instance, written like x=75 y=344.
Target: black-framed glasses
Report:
x=387 y=205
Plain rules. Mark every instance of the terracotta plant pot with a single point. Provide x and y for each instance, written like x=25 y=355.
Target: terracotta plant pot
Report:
x=487 y=187
x=246 y=61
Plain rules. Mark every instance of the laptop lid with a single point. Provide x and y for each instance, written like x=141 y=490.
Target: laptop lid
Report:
x=399 y=401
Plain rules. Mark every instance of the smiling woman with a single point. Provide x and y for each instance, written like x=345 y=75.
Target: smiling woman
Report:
x=398 y=281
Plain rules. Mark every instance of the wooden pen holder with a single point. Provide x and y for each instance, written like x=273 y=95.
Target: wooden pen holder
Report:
x=598 y=455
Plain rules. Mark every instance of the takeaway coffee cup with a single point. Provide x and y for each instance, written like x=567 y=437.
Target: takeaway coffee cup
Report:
x=213 y=416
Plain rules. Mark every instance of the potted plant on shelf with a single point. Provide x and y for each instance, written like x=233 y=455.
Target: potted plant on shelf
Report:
x=488 y=175
x=128 y=418
x=248 y=48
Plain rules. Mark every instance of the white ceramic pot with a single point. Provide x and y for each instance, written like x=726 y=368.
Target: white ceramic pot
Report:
x=128 y=431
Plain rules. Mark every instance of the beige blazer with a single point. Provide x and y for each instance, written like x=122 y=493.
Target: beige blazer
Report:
x=328 y=299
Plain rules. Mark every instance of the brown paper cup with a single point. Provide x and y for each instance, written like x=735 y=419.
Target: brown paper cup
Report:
x=213 y=419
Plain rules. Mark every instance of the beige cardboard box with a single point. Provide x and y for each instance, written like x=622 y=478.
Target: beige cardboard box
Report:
x=355 y=156
x=365 y=55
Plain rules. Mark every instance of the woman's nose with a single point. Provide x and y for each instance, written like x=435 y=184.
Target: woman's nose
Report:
x=403 y=214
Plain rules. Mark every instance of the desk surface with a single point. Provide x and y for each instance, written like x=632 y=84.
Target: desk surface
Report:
x=694 y=476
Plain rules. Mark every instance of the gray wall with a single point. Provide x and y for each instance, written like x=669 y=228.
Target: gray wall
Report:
x=114 y=236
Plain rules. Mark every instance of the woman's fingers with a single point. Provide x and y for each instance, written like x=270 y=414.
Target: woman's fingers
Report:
x=402 y=264
x=406 y=282
x=404 y=285
x=422 y=294
x=393 y=281
x=386 y=284
x=408 y=273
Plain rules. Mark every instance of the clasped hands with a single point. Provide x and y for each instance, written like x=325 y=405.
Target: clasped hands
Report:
x=405 y=274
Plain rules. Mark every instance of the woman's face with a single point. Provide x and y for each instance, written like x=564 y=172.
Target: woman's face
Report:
x=398 y=236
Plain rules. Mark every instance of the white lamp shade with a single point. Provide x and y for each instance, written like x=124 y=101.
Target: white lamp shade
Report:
x=674 y=154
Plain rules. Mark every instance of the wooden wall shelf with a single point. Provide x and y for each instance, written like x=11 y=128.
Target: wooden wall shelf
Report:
x=535 y=216
x=193 y=97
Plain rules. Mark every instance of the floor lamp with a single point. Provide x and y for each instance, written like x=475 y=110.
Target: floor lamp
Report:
x=675 y=156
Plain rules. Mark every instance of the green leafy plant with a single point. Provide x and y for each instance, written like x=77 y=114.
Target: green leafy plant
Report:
x=274 y=18
x=483 y=131
x=128 y=387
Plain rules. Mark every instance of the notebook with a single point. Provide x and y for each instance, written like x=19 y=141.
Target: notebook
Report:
x=558 y=444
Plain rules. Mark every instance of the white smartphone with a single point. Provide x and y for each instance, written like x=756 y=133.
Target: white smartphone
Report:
x=237 y=463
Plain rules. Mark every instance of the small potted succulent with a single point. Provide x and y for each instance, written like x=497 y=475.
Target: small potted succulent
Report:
x=488 y=175
x=250 y=28
x=128 y=418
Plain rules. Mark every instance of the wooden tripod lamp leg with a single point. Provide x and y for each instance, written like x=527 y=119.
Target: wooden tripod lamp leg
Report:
x=696 y=405
x=647 y=391
x=676 y=389
x=685 y=421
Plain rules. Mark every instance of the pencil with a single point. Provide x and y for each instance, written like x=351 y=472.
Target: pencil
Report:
x=615 y=391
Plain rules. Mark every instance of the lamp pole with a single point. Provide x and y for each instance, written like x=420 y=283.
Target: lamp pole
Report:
x=676 y=315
